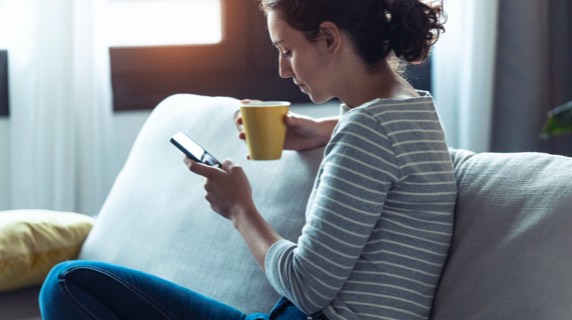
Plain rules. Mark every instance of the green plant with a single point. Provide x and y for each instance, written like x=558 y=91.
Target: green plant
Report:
x=559 y=121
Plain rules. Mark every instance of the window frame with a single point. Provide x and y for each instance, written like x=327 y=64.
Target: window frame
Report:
x=243 y=65
x=4 y=92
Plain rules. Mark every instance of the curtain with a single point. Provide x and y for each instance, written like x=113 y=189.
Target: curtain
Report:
x=60 y=105
x=534 y=73
x=498 y=70
x=463 y=72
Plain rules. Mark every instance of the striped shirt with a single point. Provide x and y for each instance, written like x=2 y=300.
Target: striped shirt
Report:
x=379 y=220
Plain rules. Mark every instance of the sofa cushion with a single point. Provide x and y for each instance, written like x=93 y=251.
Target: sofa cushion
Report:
x=33 y=241
x=156 y=219
x=511 y=255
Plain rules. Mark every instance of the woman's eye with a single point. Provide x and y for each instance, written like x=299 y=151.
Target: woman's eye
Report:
x=286 y=54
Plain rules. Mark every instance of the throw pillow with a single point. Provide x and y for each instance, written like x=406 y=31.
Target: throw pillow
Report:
x=33 y=241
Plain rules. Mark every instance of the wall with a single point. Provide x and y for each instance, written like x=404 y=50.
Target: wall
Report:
x=4 y=164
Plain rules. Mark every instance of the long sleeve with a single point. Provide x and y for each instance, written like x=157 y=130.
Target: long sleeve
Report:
x=379 y=220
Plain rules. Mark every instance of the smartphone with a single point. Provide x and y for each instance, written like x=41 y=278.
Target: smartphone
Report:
x=193 y=150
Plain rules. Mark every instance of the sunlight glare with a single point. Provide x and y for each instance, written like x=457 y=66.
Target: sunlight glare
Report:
x=4 y=26
x=167 y=22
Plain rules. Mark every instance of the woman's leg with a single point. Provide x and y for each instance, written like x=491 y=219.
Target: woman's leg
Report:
x=95 y=290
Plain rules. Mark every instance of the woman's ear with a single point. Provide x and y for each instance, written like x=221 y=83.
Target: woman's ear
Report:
x=331 y=35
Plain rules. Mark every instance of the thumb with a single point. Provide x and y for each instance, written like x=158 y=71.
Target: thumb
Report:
x=199 y=168
x=228 y=165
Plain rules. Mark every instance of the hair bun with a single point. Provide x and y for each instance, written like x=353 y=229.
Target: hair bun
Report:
x=413 y=28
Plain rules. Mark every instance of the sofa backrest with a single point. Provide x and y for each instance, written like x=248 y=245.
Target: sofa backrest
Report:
x=511 y=256
x=156 y=219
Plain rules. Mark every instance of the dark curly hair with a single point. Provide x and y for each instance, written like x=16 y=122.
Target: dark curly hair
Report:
x=378 y=28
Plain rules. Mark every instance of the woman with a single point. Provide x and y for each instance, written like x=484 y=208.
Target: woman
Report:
x=380 y=217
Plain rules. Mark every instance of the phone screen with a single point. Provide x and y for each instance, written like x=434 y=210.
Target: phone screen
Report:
x=193 y=150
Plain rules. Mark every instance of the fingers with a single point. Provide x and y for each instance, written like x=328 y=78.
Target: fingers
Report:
x=201 y=169
x=209 y=171
x=247 y=101
x=241 y=134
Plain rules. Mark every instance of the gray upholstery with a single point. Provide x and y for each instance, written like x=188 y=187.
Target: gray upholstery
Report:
x=511 y=250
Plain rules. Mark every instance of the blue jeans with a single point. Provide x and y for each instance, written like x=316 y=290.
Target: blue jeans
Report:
x=94 y=290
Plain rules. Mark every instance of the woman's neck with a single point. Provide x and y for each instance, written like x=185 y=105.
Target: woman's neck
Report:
x=363 y=86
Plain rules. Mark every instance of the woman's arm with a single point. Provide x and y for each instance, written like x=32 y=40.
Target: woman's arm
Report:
x=229 y=193
x=228 y=189
x=305 y=133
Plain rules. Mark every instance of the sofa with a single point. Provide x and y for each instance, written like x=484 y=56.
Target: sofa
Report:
x=511 y=256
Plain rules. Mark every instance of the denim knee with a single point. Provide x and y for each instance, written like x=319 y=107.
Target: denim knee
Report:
x=57 y=272
x=53 y=276
x=51 y=294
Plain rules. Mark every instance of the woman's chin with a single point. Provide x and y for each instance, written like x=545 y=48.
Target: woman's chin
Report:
x=319 y=99
x=314 y=96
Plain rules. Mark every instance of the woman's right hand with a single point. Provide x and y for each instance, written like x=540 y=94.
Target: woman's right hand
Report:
x=303 y=132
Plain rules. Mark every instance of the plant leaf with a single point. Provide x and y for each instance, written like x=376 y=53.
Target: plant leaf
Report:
x=559 y=121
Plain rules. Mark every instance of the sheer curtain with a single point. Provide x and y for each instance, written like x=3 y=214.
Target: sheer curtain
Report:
x=60 y=104
x=463 y=72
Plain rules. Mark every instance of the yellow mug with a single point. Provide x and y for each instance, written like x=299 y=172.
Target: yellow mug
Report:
x=263 y=124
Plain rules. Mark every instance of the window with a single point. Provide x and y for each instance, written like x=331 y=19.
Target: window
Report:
x=243 y=64
x=163 y=22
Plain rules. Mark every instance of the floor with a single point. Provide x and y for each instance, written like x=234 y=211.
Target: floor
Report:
x=20 y=305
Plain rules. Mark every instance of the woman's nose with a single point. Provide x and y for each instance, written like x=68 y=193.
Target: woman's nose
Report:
x=284 y=68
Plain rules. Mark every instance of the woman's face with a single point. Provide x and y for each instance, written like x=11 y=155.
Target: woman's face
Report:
x=303 y=61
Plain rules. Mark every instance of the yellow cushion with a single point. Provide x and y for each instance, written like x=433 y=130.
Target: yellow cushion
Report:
x=33 y=241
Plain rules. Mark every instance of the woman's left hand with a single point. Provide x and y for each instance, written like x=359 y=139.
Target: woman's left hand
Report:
x=228 y=189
